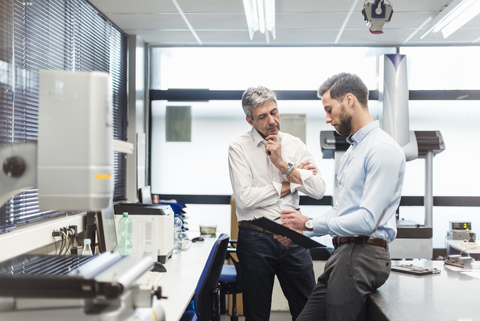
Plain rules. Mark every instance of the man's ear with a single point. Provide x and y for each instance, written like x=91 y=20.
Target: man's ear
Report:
x=249 y=120
x=349 y=99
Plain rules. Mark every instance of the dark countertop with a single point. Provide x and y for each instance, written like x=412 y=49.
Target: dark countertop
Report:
x=447 y=296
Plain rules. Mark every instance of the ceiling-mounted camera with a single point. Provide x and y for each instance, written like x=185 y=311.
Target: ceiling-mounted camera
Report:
x=376 y=15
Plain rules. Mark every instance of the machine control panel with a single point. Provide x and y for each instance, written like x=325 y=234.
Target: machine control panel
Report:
x=462 y=226
x=461 y=231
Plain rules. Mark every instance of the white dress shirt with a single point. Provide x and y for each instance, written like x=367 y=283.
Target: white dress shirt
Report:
x=257 y=183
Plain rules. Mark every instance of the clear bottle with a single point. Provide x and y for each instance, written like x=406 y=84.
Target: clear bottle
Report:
x=125 y=232
x=87 y=247
x=177 y=236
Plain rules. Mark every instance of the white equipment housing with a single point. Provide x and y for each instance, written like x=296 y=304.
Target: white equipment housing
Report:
x=75 y=138
x=152 y=230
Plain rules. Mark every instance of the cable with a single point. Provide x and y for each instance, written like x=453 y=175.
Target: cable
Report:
x=64 y=241
x=61 y=243
x=67 y=241
x=72 y=237
x=55 y=242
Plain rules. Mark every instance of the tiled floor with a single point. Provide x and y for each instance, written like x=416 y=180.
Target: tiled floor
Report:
x=274 y=316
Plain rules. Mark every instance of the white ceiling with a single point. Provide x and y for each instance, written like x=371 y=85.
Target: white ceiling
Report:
x=298 y=23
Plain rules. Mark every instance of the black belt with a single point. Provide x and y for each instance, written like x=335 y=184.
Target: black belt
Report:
x=251 y=226
x=339 y=240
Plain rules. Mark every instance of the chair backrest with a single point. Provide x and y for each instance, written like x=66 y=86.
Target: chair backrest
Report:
x=204 y=298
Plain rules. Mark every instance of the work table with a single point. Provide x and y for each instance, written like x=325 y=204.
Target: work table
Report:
x=449 y=295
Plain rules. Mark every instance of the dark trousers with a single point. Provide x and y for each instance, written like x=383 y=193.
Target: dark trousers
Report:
x=261 y=258
x=351 y=273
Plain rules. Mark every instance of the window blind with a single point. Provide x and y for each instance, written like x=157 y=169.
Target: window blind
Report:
x=56 y=35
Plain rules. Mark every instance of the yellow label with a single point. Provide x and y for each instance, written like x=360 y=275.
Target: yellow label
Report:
x=103 y=176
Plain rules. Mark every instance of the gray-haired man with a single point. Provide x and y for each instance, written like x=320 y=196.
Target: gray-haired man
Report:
x=267 y=170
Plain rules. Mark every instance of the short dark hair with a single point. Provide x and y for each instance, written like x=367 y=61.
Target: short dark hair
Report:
x=342 y=84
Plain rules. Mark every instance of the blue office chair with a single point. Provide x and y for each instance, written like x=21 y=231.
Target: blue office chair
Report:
x=207 y=294
x=230 y=281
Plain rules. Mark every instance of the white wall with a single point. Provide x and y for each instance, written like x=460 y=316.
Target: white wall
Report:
x=201 y=166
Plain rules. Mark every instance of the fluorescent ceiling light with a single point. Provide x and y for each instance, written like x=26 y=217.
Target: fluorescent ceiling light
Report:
x=260 y=16
x=458 y=13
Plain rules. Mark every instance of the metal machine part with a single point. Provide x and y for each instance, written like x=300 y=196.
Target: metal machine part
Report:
x=461 y=231
x=19 y=169
x=413 y=241
x=463 y=226
x=415 y=270
x=464 y=262
x=330 y=142
x=56 y=287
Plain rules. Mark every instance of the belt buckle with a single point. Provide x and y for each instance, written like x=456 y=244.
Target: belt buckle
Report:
x=365 y=238
x=336 y=241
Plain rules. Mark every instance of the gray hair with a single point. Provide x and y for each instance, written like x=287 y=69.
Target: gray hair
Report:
x=255 y=96
x=342 y=84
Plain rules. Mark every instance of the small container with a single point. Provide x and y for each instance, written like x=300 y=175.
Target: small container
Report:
x=209 y=230
x=125 y=229
x=87 y=247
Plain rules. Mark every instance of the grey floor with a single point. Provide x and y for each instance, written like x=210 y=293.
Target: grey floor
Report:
x=274 y=316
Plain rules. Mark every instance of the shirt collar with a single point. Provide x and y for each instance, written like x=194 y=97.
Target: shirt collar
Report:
x=362 y=133
x=258 y=139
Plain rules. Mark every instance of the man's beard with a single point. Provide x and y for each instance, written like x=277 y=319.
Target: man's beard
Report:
x=345 y=125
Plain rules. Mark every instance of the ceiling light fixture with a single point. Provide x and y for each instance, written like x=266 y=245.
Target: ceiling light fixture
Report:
x=260 y=16
x=452 y=18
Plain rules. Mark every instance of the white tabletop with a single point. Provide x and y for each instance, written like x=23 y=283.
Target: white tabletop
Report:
x=179 y=282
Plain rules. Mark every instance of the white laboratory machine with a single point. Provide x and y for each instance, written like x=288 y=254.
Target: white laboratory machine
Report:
x=153 y=229
x=72 y=166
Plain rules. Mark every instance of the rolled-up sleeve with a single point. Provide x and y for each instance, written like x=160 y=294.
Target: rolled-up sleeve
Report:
x=313 y=185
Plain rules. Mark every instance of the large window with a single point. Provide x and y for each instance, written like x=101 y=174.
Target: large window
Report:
x=434 y=68
x=58 y=35
x=276 y=68
x=200 y=166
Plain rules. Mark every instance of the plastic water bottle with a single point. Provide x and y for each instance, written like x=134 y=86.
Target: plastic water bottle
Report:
x=177 y=236
x=87 y=247
x=125 y=231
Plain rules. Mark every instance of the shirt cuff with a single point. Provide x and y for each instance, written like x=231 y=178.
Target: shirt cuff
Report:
x=320 y=225
x=304 y=174
x=293 y=187
x=278 y=188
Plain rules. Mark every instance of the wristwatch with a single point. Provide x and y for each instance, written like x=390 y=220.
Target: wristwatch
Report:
x=289 y=169
x=309 y=224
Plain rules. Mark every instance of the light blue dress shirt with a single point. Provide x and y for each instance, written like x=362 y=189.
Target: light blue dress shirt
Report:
x=370 y=179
